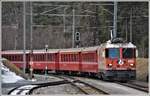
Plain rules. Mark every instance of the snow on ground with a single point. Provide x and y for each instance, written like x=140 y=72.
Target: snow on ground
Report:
x=9 y=76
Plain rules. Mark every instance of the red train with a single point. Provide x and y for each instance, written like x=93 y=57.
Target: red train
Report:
x=112 y=60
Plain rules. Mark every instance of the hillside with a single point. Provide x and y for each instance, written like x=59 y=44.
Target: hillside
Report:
x=52 y=24
x=142 y=69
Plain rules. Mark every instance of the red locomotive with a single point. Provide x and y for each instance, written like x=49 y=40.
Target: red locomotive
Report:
x=113 y=60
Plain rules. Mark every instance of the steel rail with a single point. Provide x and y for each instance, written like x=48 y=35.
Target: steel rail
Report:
x=135 y=86
x=28 y=89
x=86 y=88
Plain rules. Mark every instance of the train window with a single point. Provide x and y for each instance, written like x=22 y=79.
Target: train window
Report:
x=69 y=57
x=72 y=57
x=40 y=57
x=17 y=58
x=9 y=57
x=128 y=53
x=35 y=57
x=43 y=57
x=89 y=57
x=51 y=57
x=13 y=57
x=65 y=59
x=106 y=53
x=112 y=53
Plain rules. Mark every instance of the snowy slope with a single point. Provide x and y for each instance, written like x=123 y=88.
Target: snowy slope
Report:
x=8 y=76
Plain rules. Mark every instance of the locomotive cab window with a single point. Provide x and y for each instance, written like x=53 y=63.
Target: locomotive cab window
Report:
x=128 y=53
x=112 y=53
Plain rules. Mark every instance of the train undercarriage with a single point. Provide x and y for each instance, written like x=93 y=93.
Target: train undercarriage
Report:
x=107 y=75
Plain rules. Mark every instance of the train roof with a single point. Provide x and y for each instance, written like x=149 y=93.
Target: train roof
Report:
x=90 y=48
x=14 y=51
x=29 y=51
x=80 y=49
x=52 y=50
x=108 y=44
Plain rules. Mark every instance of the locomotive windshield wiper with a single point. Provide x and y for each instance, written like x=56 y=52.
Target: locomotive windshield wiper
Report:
x=125 y=49
x=127 y=53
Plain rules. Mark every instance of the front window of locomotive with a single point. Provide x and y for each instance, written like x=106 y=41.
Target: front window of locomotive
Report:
x=128 y=53
x=112 y=53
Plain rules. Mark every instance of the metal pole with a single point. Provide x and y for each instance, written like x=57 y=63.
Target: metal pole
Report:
x=73 y=27
x=31 y=39
x=64 y=19
x=46 y=59
x=126 y=29
x=31 y=33
x=115 y=20
x=15 y=45
x=131 y=26
x=24 y=36
x=0 y=48
x=111 y=34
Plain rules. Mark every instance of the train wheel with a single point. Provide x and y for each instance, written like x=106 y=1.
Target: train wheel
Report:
x=123 y=81
x=103 y=77
x=98 y=75
x=82 y=74
x=73 y=73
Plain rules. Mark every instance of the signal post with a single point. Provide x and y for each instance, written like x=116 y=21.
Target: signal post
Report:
x=77 y=39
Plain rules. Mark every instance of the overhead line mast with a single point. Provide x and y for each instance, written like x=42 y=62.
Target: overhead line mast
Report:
x=31 y=31
x=24 y=36
x=115 y=20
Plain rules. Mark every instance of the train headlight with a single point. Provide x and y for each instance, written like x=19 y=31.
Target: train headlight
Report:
x=110 y=65
x=131 y=64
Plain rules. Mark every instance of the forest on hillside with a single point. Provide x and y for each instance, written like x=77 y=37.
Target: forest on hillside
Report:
x=52 y=24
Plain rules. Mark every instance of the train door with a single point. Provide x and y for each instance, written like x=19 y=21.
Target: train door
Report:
x=80 y=61
x=57 y=61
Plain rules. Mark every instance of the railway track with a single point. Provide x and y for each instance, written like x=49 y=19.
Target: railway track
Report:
x=135 y=86
x=86 y=88
x=82 y=86
x=132 y=84
x=80 y=83
x=28 y=89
